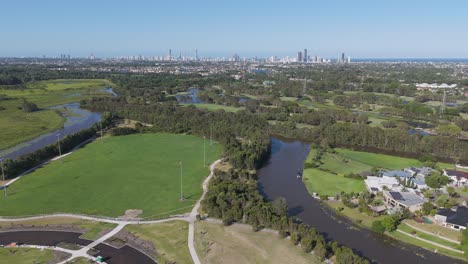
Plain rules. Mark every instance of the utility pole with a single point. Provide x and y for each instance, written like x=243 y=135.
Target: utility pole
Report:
x=211 y=135
x=58 y=142
x=100 y=123
x=4 y=183
x=204 y=152
x=181 y=182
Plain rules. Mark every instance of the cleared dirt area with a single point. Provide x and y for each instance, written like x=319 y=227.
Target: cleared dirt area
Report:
x=216 y=243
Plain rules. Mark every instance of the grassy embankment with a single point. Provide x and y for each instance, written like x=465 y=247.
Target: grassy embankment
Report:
x=18 y=126
x=216 y=243
x=26 y=255
x=328 y=178
x=169 y=239
x=93 y=229
x=129 y=172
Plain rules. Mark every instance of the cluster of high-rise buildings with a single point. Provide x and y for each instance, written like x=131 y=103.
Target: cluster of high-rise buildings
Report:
x=302 y=57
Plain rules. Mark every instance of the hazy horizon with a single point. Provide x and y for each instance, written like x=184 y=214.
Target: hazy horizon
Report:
x=361 y=29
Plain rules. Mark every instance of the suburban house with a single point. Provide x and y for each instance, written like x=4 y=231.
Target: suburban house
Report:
x=378 y=184
x=396 y=173
x=459 y=178
x=454 y=219
x=413 y=174
x=403 y=200
x=422 y=171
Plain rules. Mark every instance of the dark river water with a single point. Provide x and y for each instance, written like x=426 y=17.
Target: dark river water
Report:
x=76 y=119
x=123 y=255
x=278 y=178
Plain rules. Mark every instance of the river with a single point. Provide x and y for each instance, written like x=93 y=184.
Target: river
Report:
x=76 y=119
x=278 y=178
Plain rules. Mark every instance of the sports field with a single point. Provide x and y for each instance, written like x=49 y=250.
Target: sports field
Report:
x=18 y=126
x=138 y=171
x=215 y=107
x=328 y=178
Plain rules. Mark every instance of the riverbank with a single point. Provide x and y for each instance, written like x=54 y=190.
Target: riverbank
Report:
x=20 y=127
x=405 y=232
x=278 y=178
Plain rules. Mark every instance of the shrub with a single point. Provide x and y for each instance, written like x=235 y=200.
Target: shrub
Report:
x=378 y=227
x=389 y=223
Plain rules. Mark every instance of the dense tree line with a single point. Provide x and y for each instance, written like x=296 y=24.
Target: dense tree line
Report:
x=30 y=160
x=243 y=135
x=233 y=196
x=394 y=141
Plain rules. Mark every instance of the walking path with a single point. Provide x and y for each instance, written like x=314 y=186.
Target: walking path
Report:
x=193 y=215
x=430 y=242
x=122 y=223
x=432 y=234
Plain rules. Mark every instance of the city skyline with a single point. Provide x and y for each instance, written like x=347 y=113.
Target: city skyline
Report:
x=363 y=29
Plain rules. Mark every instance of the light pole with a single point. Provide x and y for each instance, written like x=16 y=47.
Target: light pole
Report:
x=100 y=124
x=211 y=135
x=204 y=151
x=4 y=183
x=181 y=183
x=58 y=142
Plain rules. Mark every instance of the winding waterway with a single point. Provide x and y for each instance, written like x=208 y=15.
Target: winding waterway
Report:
x=278 y=178
x=76 y=119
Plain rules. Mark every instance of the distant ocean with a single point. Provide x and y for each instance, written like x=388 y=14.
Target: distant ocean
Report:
x=453 y=60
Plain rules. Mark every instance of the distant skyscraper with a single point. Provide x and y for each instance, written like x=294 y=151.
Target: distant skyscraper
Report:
x=196 y=54
x=305 y=55
x=343 y=60
x=299 y=56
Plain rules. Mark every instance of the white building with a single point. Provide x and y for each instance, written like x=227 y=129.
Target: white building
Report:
x=377 y=184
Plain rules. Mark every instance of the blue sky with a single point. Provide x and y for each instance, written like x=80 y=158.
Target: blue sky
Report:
x=361 y=28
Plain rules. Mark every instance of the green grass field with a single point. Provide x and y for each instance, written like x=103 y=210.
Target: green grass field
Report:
x=216 y=107
x=129 y=172
x=325 y=183
x=422 y=244
x=18 y=126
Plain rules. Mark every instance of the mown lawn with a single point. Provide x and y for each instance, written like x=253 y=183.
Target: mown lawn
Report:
x=216 y=107
x=138 y=171
x=354 y=214
x=328 y=178
x=426 y=236
x=422 y=244
x=325 y=183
